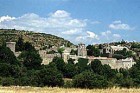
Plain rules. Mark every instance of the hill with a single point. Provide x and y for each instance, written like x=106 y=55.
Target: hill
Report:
x=39 y=40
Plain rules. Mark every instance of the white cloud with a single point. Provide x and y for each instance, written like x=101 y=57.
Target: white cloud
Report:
x=92 y=35
x=60 y=14
x=108 y=36
x=6 y=18
x=106 y=33
x=118 y=25
x=59 y=23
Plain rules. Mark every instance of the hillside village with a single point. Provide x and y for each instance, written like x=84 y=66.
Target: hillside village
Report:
x=109 y=50
x=24 y=63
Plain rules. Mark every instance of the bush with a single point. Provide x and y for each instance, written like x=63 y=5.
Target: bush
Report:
x=7 y=81
x=68 y=84
x=31 y=59
x=50 y=76
x=88 y=79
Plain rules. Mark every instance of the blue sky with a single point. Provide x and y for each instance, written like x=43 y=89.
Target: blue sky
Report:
x=87 y=21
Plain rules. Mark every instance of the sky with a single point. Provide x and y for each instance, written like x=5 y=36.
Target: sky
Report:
x=79 y=21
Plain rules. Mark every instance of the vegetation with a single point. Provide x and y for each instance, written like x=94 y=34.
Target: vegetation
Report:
x=27 y=70
x=122 y=54
x=39 y=40
x=92 y=51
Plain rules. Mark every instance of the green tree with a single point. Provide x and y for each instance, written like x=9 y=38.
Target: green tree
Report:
x=28 y=47
x=135 y=73
x=71 y=61
x=88 y=79
x=73 y=52
x=92 y=51
x=20 y=44
x=97 y=66
x=59 y=62
x=60 y=50
x=82 y=65
x=69 y=70
x=7 y=56
x=50 y=76
x=108 y=72
x=31 y=59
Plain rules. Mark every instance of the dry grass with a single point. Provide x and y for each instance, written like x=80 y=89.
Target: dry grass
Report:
x=64 y=90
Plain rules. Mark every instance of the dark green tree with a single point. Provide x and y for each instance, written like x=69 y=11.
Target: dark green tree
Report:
x=71 y=61
x=9 y=65
x=7 y=56
x=97 y=66
x=73 y=52
x=88 y=79
x=31 y=59
x=28 y=47
x=50 y=76
x=59 y=62
x=82 y=65
x=20 y=44
x=69 y=70
x=92 y=51
x=108 y=72
x=135 y=73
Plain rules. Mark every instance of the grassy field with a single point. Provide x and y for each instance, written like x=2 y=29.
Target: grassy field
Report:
x=64 y=90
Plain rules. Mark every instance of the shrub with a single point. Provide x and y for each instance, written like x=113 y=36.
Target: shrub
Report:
x=88 y=79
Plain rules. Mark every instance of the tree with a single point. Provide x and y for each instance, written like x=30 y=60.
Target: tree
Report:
x=108 y=72
x=92 y=51
x=9 y=65
x=89 y=50
x=97 y=66
x=60 y=50
x=119 y=78
x=59 y=62
x=135 y=73
x=7 y=56
x=82 y=65
x=50 y=76
x=20 y=44
x=69 y=70
x=73 y=52
x=123 y=54
x=88 y=79
x=71 y=61
x=100 y=46
x=31 y=59
x=28 y=47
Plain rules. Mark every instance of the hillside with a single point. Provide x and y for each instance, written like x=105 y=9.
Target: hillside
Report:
x=39 y=40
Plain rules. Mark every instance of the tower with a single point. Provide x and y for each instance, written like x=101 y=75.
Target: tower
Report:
x=82 y=50
x=66 y=55
x=11 y=45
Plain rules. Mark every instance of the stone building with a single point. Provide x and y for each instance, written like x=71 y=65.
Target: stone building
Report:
x=82 y=50
x=47 y=58
x=82 y=53
x=114 y=63
x=111 y=49
x=11 y=45
x=66 y=55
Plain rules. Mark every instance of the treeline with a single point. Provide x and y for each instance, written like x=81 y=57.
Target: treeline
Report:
x=27 y=70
